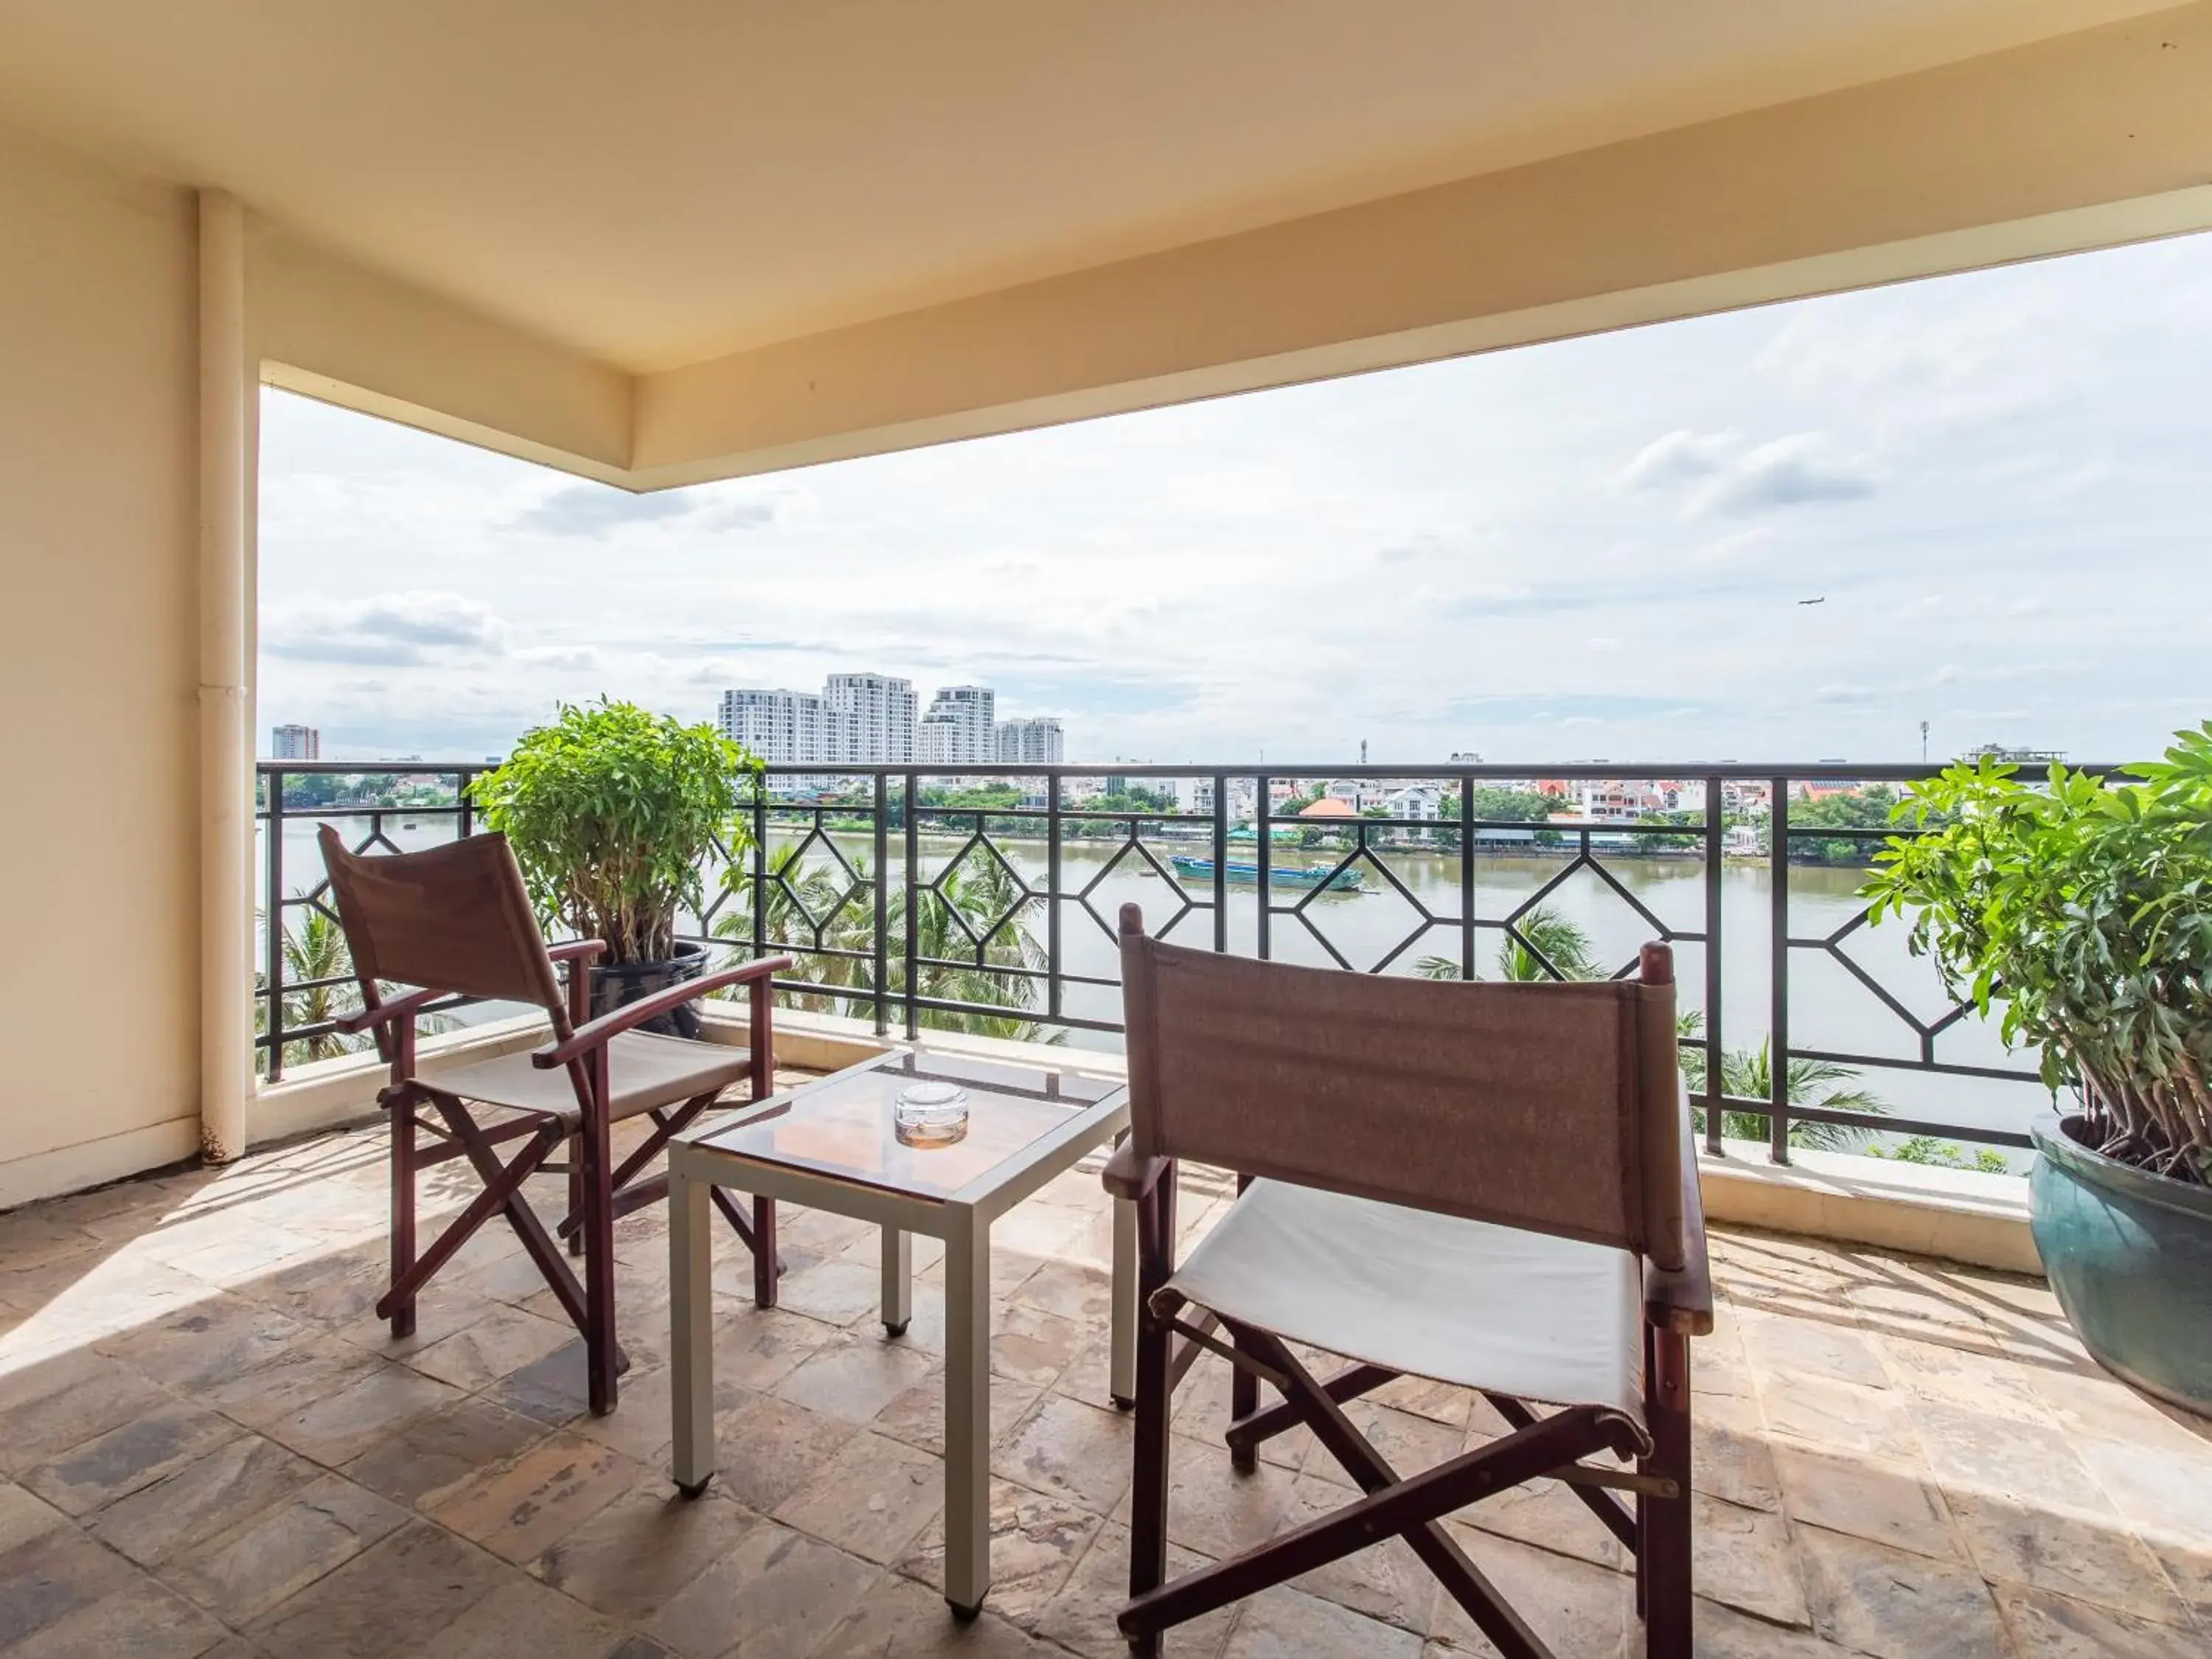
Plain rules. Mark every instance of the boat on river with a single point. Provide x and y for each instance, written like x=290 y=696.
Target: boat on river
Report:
x=1279 y=875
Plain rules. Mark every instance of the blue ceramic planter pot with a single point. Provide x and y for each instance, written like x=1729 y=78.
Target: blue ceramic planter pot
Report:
x=2128 y=1255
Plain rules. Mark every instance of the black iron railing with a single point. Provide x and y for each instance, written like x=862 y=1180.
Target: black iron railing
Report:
x=303 y=970
x=909 y=897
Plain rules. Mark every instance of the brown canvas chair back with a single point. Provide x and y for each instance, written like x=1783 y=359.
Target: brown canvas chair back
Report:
x=1556 y=1107
x=453 y=918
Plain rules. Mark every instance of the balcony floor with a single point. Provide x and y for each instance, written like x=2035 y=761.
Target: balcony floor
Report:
x=209 y=1446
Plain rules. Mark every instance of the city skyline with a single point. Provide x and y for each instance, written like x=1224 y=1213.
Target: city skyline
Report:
x=1992 y=484
x=872 y=719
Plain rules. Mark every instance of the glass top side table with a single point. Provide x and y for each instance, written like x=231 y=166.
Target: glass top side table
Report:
x=833 y=1144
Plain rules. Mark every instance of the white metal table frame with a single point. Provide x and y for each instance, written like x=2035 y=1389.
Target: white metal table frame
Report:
x=963 y=1220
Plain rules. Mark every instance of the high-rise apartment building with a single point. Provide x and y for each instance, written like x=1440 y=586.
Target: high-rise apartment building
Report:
x=296 y=743
x=882 y=711
x=787 y=728
x=959 y=729
x=1038 y=741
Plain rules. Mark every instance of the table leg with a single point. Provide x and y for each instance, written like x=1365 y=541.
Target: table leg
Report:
x=1121 y=1380
x=691 y=1331
x=967 y=1414
x=898 y=1280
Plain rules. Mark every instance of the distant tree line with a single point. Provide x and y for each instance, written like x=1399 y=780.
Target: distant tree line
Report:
x=315 y=790
x=1861 y=809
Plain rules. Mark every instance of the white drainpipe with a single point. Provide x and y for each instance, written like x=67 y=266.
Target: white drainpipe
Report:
x=226 y=497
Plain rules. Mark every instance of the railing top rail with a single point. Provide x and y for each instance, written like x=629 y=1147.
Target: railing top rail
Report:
x=1580 y=771
x=355 y=769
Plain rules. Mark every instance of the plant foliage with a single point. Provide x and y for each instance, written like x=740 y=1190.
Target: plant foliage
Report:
x=1564 y=946
x=962 y=953
x=1748 y=1074
x=613 y=811
x=2084 y=908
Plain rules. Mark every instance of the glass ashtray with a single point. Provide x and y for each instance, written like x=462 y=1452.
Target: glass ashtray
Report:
x=930 y=1113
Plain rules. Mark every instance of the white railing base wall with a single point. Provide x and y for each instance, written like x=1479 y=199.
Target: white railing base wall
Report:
x=1963 y=1216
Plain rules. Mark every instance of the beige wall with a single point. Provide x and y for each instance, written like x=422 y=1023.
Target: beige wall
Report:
x=98 y=845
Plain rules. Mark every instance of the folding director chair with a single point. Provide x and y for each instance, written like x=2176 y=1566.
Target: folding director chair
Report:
x=457 y=920
x=1493 y=1185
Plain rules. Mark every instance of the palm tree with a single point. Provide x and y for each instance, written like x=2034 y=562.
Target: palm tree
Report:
x=797 y=901
x=1748 y=1074
x=1563 y=943
x=955 y=967
x=978 y=892
x=317 y=950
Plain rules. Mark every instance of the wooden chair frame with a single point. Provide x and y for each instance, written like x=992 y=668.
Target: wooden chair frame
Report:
x=599 y=1192
x=1647 y=1510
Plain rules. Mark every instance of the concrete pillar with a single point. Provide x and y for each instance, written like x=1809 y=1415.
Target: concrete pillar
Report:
x=227 y=496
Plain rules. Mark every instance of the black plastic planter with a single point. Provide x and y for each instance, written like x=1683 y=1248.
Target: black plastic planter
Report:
x=628 y=981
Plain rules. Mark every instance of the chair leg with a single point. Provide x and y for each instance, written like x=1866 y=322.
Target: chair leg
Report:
x=767 y=1263
x=1148 y=1503
x=1618 y=1518
x=1324 y=1415
x=1662 y=1568
x=575 y=1196
x=1409 y=1508
x=601 y=1356
x=403 y=1213
x=501 y=1191
x=1244 y=1401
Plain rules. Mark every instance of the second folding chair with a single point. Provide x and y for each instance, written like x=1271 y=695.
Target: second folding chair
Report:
x=1490 y=1186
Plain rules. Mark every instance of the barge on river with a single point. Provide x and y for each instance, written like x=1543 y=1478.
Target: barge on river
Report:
x=1279 y=875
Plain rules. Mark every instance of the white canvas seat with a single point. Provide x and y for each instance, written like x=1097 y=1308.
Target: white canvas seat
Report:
x=1540 y=1318
x=644 y=1071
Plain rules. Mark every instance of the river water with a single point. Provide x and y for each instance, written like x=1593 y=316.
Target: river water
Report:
x=1829 y=1009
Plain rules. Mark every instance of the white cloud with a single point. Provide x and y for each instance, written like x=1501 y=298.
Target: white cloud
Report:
x=396 y=629
x=1680 y=457
x=1717 y=473
x=594 y=510
x=1905 y=361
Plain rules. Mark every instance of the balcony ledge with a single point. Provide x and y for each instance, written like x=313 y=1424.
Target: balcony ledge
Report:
x=1959 y=1215
x=1964 y=1216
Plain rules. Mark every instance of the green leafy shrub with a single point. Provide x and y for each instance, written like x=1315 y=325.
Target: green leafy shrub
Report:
x=2084 y=909
x=612 y=811
x=1942 y=1155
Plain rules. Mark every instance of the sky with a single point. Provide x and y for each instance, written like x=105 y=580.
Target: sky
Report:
x=1998 y=486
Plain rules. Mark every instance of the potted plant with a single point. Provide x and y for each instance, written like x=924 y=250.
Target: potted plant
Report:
x=2084 y=910
x=611 y=811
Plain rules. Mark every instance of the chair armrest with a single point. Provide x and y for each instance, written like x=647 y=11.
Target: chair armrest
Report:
x=1682 y=1300
x=1127 y=1176
x=406 y=1007
x=599 y=1032
x=576 y=950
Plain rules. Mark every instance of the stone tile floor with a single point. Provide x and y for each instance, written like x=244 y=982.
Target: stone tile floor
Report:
x=208 y=1446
